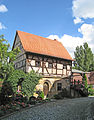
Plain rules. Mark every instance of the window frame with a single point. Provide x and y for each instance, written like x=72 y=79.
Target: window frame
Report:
x=39 y=63
x=59 y=86
x=50 y=63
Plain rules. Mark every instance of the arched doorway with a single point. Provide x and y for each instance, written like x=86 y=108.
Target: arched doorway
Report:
x=46 y=89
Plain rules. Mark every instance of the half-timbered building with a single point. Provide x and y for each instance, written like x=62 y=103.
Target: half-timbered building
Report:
x=47 y=57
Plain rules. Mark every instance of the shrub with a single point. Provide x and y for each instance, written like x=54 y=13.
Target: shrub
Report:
x=32 y=100
x=57 y=96
x=91 y=91
x=30 y=82
x=65 y=93
x=62 y=94
x=41 y=95
x=27 y=81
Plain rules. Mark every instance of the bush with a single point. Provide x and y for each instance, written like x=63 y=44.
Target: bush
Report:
x=20 y=98
x=62 y=94
x=27 y=81
x=32 y=100
x=41 y=95
x=91 y=91
x=65 y=93
x=57 y=96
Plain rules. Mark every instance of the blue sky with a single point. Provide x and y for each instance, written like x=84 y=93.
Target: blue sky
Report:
x=69 y=21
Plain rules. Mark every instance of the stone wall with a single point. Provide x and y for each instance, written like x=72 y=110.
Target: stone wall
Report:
x=52 y=82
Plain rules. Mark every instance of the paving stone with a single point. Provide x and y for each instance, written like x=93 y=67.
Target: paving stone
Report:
x=69 y=109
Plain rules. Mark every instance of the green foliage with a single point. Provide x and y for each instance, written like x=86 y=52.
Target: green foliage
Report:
x=91 y=91
x=85 y=81
x=30 y=80
x=10 y=76
x=14 y=79
x=6 y=58
x=84 y=58
x=1 y=82
x=41 y=95
x=90 y=86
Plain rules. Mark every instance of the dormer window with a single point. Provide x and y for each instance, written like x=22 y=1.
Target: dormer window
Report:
x=38 y=63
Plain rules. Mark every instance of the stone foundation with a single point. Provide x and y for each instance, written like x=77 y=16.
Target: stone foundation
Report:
x=52 y=85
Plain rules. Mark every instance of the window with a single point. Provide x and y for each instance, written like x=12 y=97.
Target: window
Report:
x=64 y=67
x=50 y=65
x=20 y=63
x=38 y=63
x=23 y=62
x=59 y=86
x=54 y=65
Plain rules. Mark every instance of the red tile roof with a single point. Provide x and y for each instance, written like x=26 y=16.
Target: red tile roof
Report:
x=44 y=46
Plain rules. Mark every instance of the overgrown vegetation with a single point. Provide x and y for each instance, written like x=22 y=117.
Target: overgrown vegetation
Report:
x=10 y=78
x=6 y=58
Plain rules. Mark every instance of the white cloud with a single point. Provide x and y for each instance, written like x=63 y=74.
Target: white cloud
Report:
x=70 y=42
x=2 y=26
x=87 y=30
x=83 y=9
x=78 y=20
x=53 y=37
x=3 y=8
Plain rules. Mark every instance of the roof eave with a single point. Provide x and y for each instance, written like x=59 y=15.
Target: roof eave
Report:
x=48 y=55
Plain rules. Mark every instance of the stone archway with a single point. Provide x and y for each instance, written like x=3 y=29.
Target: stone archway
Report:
x=46 y=88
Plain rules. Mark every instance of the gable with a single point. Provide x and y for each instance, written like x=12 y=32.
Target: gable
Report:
x=17 y=42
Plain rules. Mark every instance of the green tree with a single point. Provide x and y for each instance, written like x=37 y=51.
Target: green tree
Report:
x=6 y=58
x=14 y=79
x=84 y=58
x=85 y=81
x=28 y=83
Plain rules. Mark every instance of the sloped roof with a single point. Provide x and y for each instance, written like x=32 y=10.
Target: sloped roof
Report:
x=36 y=44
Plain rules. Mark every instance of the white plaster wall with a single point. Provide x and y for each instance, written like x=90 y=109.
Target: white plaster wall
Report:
x=46 y=64
x=33 y=62
x=59 y=71
x=68 y=72
x=68 y=67
x=64 y=71
x=28 y=68
x=40 y=70
x=54 y=71
x=50 y=71
x=35 y=69
x=45 y=71
x=59 y=66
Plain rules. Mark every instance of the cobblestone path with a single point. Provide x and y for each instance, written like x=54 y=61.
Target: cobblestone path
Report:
x=70 y=109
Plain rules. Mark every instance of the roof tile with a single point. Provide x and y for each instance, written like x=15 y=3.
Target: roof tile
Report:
x=41 y=45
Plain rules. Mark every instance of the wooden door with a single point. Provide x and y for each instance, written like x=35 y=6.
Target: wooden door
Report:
x=46 y=88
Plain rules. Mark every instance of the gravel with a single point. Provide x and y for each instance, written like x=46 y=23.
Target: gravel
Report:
x=69 y=109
